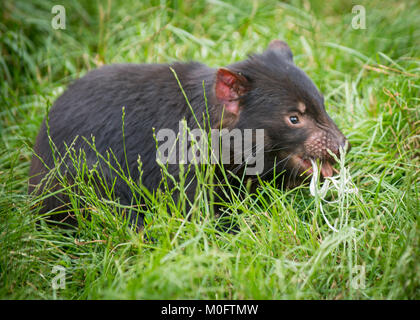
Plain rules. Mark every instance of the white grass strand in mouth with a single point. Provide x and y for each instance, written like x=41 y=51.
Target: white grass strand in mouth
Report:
x=342 y=183
x=314 y=182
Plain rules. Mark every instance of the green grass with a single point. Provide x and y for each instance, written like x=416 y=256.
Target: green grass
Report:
x=285 y=248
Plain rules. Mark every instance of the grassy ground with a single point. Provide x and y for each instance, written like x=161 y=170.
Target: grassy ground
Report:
x=365 y=245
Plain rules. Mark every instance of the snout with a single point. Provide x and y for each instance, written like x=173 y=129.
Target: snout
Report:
x=318 y=145
x=336 y=138
x=340 y=141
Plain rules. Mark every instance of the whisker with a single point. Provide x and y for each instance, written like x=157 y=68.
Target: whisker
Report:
x=241 y=165
x=276 y=165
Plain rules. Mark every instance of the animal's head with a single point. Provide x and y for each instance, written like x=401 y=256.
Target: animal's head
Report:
x=268 y=91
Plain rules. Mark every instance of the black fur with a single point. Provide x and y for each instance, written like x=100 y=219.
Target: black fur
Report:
x=150 y=94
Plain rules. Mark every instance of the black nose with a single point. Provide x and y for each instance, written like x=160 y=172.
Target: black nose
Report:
x=344 y=140
x=341 y=142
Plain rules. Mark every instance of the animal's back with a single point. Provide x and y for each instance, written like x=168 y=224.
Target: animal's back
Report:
x=93 y=105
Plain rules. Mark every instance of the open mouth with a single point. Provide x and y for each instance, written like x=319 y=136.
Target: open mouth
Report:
x=326 y=167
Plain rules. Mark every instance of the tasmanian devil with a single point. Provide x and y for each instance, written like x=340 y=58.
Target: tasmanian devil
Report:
x=266 y=91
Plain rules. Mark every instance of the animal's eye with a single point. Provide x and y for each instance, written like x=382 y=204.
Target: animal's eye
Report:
x=294 y=119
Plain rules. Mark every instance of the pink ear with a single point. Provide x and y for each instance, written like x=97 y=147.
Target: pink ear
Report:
x=229 y=87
